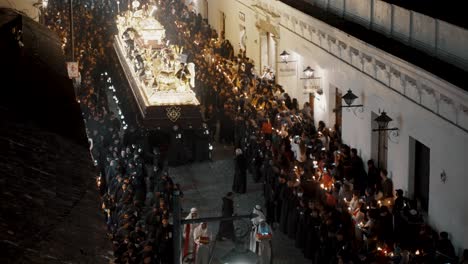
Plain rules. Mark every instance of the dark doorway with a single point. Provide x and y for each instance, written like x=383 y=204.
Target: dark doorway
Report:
x=379 y=144
x=421 y=174
x=312 y=104
x=338 y=101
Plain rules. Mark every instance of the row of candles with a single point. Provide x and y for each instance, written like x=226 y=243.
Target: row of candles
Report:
x=388 y=253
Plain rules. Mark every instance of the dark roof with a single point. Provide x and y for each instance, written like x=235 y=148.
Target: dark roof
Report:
x=49 y=200
x=453 y=12
x=444 y=70
x=49 y=203
x=35 y=80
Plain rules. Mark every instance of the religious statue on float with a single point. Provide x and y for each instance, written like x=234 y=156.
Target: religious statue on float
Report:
x=185 y=74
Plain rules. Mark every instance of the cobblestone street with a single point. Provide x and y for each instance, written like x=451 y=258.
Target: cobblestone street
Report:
x=204 y=185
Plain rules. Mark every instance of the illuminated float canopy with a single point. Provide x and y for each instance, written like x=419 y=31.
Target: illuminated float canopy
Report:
x=158 y=73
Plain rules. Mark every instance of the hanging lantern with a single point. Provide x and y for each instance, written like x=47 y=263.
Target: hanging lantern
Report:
x=383 y=120
x=284 y=56
x=309 y=72
x=349 y=98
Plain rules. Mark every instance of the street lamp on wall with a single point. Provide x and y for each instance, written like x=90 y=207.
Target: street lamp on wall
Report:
x=349 y=99
x=382 y=122
x=284 y=57
x=312 y=83
x=308 y=72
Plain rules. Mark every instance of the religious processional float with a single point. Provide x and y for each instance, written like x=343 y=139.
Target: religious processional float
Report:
x=158 y=73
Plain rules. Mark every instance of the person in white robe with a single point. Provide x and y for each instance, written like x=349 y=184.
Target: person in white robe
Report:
x=264 y=246
x=255 y=222
x=202 y=237
x=189 y=243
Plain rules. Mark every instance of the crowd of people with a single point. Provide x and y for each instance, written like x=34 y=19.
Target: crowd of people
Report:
x=135 y=186
x=317 y=190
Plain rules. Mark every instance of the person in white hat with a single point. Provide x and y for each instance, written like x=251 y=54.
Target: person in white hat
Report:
x=189 y=243
x=255 y=222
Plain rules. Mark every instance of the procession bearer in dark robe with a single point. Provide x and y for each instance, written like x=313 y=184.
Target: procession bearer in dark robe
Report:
x=202 y=144
x=165 y=241
x=240 y=176
x=293 y=214
x=226 y=227
x=176 y=155
x=301 y=232
x=286 y=198
x=278 y=198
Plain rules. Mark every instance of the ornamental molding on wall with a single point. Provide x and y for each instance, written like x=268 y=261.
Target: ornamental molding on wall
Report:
x=402 y=77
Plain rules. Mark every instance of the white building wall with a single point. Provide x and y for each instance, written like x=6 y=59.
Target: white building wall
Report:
x=402 y=25
x=359 y=10
x=426 y=33
x=417 y=101
x=382 y=17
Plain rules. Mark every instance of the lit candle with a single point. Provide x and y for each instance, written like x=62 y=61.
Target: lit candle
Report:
x=417 y=252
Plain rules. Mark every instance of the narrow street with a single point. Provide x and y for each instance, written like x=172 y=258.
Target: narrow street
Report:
x=204 y=185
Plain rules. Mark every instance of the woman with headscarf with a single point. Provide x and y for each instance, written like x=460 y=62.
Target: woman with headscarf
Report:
x=260 y=216
x=263 y=239
x=240 y=177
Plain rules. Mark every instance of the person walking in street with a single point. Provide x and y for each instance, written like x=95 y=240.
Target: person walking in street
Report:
x=226 y=227
x=260 y=216
x=202 y=238
x=240 y=176
x=263 y=236
x=189 y=243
